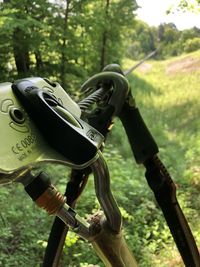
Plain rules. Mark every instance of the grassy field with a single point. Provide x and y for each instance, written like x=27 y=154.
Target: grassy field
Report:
x=168 y=95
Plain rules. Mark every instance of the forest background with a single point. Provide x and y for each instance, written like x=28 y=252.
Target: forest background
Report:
x=68 y=41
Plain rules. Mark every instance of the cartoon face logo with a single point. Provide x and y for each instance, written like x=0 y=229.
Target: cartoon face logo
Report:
x=16 y=115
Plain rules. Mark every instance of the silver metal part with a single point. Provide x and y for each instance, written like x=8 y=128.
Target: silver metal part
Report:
x=71 y=218
x=91 y=99
x=105 y=198
x=19 y=175
x=104 y=194
x=119 y=83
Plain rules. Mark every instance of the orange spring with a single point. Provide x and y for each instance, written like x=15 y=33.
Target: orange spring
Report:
x=51 y=200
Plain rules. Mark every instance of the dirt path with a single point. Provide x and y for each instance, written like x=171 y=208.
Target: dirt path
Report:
x=145 y=68
x=184 y=65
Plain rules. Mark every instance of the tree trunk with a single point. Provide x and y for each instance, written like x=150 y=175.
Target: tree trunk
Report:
x=103 y=50
x=21 y=51
x=63 y=48
x=38 y=58
x=104 y=38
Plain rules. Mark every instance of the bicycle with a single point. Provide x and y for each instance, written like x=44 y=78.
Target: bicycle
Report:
x=46 y=125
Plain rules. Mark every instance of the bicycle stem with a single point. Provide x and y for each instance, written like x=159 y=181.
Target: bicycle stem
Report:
x=110 y=246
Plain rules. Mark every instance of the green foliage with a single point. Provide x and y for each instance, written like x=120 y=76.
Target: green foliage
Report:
x=192 y=45
x=63 y=40
x=20 y=235
x=185 y=5
x=171 y=41
x=142 y=40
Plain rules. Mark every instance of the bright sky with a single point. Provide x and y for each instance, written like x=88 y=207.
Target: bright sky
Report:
x=153 y=12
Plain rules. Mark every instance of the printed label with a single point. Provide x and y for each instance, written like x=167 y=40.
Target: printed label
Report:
x=24 y=147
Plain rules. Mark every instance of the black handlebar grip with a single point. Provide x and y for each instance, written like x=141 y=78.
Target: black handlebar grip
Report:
x=142 y=143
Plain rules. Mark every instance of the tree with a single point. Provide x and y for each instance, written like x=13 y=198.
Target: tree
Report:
x=66 y=39
x=192 y=44
x=169 y=37
x=143 y=40
x=107 y=29
x=24 y=31
x=185 y=5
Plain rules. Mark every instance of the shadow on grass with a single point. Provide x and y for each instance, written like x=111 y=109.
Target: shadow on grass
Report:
x=183 y=117
x=140 y=85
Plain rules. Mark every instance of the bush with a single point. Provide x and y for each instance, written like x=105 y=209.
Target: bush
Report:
x=192 y=45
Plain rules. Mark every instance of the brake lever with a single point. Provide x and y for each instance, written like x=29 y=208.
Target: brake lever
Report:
x=25 y=145
x=69 y=135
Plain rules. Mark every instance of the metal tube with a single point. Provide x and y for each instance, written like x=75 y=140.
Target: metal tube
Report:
x=71 y=218
x=104 y=194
